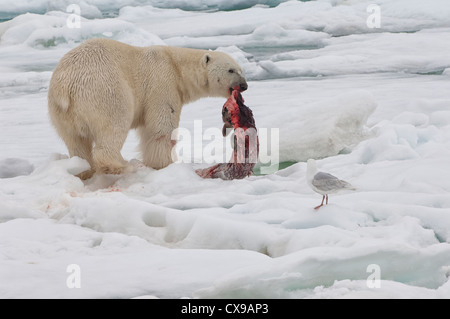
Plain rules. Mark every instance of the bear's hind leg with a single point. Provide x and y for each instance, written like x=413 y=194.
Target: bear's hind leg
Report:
x=82 y=147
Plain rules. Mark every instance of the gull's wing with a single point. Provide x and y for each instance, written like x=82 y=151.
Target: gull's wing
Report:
x=328 y=183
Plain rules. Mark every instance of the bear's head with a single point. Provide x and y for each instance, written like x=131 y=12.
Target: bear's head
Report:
x=224 y=74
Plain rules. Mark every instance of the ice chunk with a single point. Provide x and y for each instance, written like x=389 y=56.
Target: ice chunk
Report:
x=267 y=35
x=51 y=30
x=324 y=128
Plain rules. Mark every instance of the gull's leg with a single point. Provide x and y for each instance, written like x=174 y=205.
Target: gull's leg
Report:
x=327 y=199
x=320 y=204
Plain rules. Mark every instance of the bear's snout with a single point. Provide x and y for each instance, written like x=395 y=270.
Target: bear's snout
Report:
x=243 y=86
x=240 y=86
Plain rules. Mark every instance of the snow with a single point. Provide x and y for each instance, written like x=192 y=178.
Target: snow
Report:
x=43 y=31
x=12 y=167
x=422 y=52
x=371 y=105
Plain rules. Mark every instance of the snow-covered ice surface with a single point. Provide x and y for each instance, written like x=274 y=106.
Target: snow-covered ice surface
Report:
x=372 y=105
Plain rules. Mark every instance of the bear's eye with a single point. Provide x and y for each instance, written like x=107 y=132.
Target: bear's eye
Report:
x=231 y=71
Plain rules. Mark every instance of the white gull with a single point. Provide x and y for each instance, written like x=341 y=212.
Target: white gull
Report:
x=324 y=183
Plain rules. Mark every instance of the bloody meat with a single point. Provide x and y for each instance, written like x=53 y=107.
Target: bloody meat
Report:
x=237 y=116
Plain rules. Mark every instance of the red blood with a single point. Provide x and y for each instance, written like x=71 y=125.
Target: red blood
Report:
x=246 y=144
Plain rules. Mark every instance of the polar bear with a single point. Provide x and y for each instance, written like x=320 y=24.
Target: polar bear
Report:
x=103 y=88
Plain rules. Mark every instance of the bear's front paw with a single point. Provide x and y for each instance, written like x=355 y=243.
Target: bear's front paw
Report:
x=86 y=175
x=116 y=170
x=111 y=170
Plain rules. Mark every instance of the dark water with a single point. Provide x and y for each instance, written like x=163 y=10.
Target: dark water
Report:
x=265 y=53
x=6 y=16
x=281 y=166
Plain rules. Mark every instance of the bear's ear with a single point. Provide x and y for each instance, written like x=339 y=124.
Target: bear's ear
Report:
x=206 y=59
